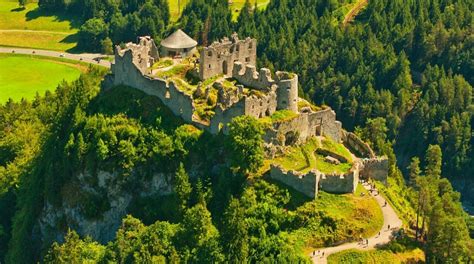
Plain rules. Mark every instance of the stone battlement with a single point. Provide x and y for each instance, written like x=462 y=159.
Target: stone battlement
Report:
x=311 y=182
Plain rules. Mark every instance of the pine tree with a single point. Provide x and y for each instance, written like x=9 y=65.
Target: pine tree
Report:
x=433 y=161
x=415 y=171
x=182 y=187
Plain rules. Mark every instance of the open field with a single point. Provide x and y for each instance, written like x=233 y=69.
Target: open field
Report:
x=32 y=28
x=236 y=6
x=32 y=74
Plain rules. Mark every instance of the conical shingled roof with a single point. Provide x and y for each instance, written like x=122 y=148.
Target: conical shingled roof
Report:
x=178 y=40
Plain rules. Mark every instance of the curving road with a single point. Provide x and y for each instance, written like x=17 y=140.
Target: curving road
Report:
x=390 y=218
x=85 y=57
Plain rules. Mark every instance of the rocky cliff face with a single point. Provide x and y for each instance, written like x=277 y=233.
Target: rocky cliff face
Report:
x=94 y=205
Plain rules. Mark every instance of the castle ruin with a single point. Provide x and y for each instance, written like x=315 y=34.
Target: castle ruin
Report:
x=239 y=89
x=219 y=57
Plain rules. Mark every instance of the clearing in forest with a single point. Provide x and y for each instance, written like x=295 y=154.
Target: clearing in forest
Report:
x=177 y=6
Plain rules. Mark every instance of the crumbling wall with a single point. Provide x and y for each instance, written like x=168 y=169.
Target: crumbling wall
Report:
x=304 y=126
x=222 y=117
x=304 y=183
x=340 y=182
x=356 y=145
x=260 y=106
x=310 y=183
x=219 y=57
x=125 y=73
x=143 y=55
x=285 y=86
x=375 y=168
x=324 y=123
x=297 y=127
x=248 y=76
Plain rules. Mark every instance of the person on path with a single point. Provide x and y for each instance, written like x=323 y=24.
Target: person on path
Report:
x=388 y=227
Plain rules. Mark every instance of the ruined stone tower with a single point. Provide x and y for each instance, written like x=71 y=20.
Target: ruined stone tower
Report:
x=287 y=91
x=219 y=57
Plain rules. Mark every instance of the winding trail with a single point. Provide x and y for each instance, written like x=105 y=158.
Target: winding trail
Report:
x=91 y=58
x=389 y=218
x=354 y=11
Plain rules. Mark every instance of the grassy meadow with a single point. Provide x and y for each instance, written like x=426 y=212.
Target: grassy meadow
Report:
x=31 y=28
x=353 y=215
x=24 y=76
x=177 y=6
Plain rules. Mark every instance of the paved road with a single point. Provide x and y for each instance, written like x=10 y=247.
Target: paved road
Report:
x=85 y=57
x=390 y=218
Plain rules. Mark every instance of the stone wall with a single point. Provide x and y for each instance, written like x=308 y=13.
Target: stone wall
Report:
x=340 y=182
x=144 y=54
x=310 y=183
x=356 y=145
x=304 y=183
x=247 y=75
x=219 y=57
x=126 y=72
x=376 y=168
x=304 y=126
x=285 y=86
x=324 y=123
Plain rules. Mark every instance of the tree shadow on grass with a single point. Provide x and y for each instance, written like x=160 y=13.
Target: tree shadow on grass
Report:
x=18 y=9
x=75 y=21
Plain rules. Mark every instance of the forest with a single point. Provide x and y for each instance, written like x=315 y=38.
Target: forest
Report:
x=400 y=75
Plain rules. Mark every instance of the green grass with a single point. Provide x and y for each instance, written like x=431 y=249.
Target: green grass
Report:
x=333 y=218
x=303 y=158
x=278 y=116
x=175 y=9
x=236 y=6
x=32 y=28
x=376 y=256
x=338 y=148
x=24 y=76
x=357 y=256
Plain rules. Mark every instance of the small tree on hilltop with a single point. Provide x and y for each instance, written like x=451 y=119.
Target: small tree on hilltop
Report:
x=246 y=144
